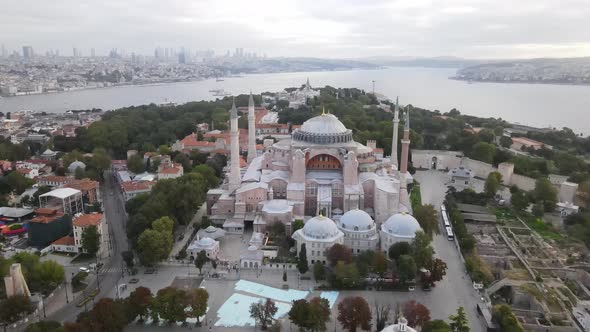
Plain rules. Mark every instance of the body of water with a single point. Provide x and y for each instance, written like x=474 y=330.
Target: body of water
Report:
x=430 y=88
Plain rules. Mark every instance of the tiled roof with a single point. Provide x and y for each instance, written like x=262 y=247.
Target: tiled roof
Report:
x=83 y=185
x=88 y=220
x=136 y=186
x=55 y=178
x=65 y=241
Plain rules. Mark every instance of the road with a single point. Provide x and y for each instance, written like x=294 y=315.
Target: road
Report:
x=116 y=218
x=456 y=288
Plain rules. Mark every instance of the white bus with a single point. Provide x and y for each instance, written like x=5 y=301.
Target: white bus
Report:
x=450 y=235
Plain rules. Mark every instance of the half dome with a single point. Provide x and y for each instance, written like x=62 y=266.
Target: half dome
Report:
x=401 y=225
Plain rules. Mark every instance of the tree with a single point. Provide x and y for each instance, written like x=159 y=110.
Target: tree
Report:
x=459 y=322
x=49 y=275
x=503 y=315
x=153 y=247
x=427 y=218
x=422 y=250
x=284 y=276
x=505 y=142
x=538 y=210
x=406 y=268
x=184 y=160
x=492 y=184
x=296 y=225
x=545 y=193
x=312 y=315
x=519 y=200
x=198 y=302
x=339 y=253
x=263 y=312
x=319 y=272
x=14 y=308
x=381 y=315
x=345 y=276
x=135 y=164
x=90 y=240
x=437 y=270
x=100 y=160
x=483 y=151
x=302 y=264
x=45 y=326
x=107 y=315
x=170 y=303
x=379 y=263
x=128 y=258
x=18 y=182
x=398 y=249
x=200 y=260
x=354 y=313
x=416 y=313
x=436 y=325
x=139 y=302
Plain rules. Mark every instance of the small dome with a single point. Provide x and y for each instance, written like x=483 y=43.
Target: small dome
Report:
x=320 y=227
x=252 y=248
x=356 y=220
x=205 y=242
x=210 y=229
x=75 y=165
x=401 y=225
x=324 y=124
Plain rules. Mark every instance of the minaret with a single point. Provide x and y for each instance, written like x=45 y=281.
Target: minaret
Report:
x=395 y=135
x=251 y=130
x=234 y=172
x=405 y=143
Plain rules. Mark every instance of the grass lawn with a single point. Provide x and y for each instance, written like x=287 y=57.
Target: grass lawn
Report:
x=83 y=258
x=544 y=229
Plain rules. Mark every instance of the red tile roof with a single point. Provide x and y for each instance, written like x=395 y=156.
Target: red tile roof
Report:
x=83 y=185
x=191 y=141
x=171 y=170
x=65 y=241
x=136 y=186
x=88 y=220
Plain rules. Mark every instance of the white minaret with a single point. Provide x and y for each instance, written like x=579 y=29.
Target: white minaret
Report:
x=251 y=130
x=395 y=137
x=234 y=172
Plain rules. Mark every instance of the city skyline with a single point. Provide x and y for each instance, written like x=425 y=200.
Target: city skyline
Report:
x=467 y=29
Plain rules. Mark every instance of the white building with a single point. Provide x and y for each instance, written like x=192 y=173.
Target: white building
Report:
x=67 y=200
x=461 y=177
x=402 y=326
x=252 y=258
x=360 y=231
x=399 y=227
x=207 y=244
x=318 y=234
x=82 y=222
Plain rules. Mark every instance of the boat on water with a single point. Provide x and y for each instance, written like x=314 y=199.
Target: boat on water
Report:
x=219 y=79
x=219 y=93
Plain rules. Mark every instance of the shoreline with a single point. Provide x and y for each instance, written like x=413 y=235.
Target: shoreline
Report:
x=454 y=78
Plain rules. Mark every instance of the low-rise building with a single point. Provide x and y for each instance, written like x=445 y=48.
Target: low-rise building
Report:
x=318 y=235
x=518 y=143
x=47 y=226
x=132 y=188
x=173 y=172
x=64 y=244
x=84 y=221
x=54 y=181
x=207 y=244
x=461 y=177
x=67 y=200
x=90 y=189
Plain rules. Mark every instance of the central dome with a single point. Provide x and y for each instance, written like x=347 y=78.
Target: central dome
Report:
x=324 y=124
x=323 y=129
x=320 y=228
x=356 y=220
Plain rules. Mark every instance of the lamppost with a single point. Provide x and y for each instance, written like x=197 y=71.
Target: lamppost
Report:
x=66 y=287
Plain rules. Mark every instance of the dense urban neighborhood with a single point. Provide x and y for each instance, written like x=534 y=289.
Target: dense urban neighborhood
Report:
x=303 y=209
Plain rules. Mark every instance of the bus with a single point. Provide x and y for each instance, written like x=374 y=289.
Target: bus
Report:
x=445 y=217
x=450 y=235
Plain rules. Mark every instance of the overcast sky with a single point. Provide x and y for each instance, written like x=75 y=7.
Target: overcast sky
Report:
x=318 y=28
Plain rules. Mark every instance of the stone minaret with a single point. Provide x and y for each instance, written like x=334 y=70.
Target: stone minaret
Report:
x=234 y=172
x=405 y=143
x=251 y=130
x=395 y=135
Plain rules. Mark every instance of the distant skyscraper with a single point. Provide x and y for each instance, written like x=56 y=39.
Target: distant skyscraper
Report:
x=75 y=52
x=92 y=52
x=28 y=52
x=182 y=57
x=3 y=51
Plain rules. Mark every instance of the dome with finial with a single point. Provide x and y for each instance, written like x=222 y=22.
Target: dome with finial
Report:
x=323 y=129
x=401 y=225
x=321 y=227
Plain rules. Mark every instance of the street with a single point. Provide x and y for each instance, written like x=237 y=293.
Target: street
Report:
x=110 y=274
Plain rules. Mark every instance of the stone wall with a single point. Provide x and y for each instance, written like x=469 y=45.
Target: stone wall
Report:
x=523 y=182
x=443 y=160
x=480 y=169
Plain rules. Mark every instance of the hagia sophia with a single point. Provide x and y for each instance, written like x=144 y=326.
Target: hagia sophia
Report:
x=343 y=191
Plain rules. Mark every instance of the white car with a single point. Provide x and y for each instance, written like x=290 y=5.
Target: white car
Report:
x=85 y=269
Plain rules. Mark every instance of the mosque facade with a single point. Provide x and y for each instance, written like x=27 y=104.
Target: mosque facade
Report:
x=319 y=175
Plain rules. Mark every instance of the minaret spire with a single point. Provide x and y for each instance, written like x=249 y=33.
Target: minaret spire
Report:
x=406 y=143
x=395 y=138
x=251 y=129
x=234 y=173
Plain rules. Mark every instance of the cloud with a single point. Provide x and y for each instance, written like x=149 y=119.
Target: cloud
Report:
x=327 y=28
